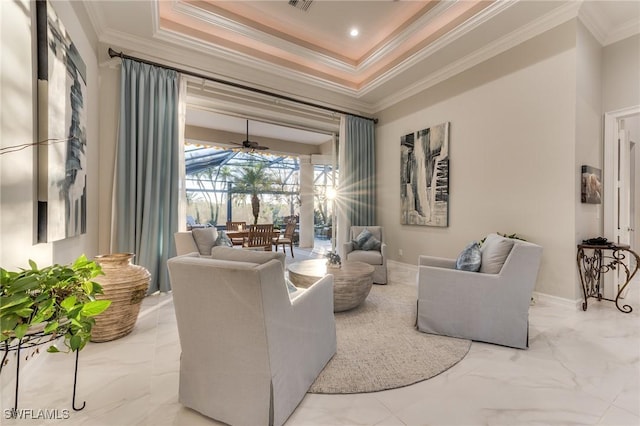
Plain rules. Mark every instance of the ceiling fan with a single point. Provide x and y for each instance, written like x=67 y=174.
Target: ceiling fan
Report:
x=250 y=145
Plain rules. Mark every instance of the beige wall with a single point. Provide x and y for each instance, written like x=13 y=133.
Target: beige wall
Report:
x=17 y=97
x=621 y=68
x=589 y=129
x=512 y=165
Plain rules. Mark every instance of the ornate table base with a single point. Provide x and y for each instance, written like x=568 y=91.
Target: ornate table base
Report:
x=604 y=258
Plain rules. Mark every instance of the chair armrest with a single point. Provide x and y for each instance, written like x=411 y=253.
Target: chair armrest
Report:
x=316 y=294
x=346 y=249
x=438 y=262
x=185 y=243
x=383 y=250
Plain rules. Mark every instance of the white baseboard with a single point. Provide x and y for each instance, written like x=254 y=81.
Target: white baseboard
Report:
x=557 y=301
x=400 y=265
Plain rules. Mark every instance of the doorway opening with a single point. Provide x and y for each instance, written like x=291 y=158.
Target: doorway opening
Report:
x=621 y=158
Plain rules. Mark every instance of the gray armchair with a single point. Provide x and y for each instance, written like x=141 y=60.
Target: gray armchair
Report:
x=249 y=351
x=376 y=258
x=487 y=307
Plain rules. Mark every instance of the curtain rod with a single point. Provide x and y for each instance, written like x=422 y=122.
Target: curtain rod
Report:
x=113 y=53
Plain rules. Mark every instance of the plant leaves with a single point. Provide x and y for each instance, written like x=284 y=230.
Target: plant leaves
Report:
x=96 y=307
x=51 y=327
x=52 y=349
x=16 y=299
x=74 y=342
x=8 y=322
x=68 y=303
x=28 y=282
x=21 y=330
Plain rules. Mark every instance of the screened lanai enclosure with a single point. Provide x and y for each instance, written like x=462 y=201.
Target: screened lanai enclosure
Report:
x=220 y=184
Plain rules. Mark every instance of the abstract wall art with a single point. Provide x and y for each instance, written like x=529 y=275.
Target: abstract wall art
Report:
x=62 y=117
x=424 y=177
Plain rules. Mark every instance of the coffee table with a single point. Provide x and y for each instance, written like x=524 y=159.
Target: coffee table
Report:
x=351 y=283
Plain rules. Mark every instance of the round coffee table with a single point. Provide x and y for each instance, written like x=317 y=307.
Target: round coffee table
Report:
x=351 y=283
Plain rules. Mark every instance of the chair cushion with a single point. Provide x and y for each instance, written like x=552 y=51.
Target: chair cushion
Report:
x=470 y=258
x=205 y=238
x=494 y=252
x=371 y=257
x=222 y=240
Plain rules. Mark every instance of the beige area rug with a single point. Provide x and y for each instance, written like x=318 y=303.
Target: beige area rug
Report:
x=379 y=348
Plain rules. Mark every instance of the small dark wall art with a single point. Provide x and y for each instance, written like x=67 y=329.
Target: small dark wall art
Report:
x=62 y=117
x=591 y=192
x=424 y=177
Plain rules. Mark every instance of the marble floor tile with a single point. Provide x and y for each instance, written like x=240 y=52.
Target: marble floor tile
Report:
x=582 y=368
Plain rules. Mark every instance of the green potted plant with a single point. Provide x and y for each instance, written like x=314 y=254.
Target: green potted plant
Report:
x=57 y=300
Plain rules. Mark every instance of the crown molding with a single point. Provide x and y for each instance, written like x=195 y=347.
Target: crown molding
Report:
x=151 y=50
x=594 y=23
x=401 y=38
x=484 y=16
x=94 y=10
x=558 y=16
x=628 y=29
x=602 y=30
x=214 y=19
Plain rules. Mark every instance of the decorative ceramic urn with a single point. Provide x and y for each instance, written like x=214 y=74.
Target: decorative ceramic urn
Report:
x=125 y=284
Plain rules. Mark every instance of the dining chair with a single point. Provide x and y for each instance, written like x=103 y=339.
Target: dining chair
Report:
x=237 y=226
x=259 y=236
x=287 y=237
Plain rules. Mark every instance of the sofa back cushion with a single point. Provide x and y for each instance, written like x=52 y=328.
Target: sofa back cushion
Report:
x=239 y=255
x=495 y=251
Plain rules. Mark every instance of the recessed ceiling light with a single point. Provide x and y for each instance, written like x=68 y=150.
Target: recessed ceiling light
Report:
x=354 y=32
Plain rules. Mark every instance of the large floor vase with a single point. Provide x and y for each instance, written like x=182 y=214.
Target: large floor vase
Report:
x=125 y=284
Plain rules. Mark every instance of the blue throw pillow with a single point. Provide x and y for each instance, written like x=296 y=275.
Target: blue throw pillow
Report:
x=371 y=244
x=222 y=240
x=470 y=258
x=361 y=239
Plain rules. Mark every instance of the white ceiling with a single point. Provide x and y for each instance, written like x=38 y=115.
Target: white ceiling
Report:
x=403 y=47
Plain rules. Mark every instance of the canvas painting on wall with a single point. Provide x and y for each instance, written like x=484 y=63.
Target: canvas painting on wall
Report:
x=591 y=185
x=62 y=116
x=424 y=177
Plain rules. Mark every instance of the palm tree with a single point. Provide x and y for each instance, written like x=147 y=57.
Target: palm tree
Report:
x=254 y=179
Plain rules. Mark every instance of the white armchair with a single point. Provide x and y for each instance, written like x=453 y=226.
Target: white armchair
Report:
x=486 y=307
x=376 y=258
x=249 y=352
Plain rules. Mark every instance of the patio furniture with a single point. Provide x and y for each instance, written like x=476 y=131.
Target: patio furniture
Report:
x=192 y=224
x=351 y=282
x=249 y=352
x=372 y=256
x=482 y=306
x=259 y=236
x=287 y=237
x=236 y=226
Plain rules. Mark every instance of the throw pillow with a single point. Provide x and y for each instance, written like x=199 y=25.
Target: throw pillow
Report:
x=222 y=240
x=205 y=239
x=361 y=239
x=470 y=258
x=371 y=244
x=494 y=252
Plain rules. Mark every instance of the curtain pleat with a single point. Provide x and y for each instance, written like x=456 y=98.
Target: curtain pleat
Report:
x=147 y=175
x=357 y=174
